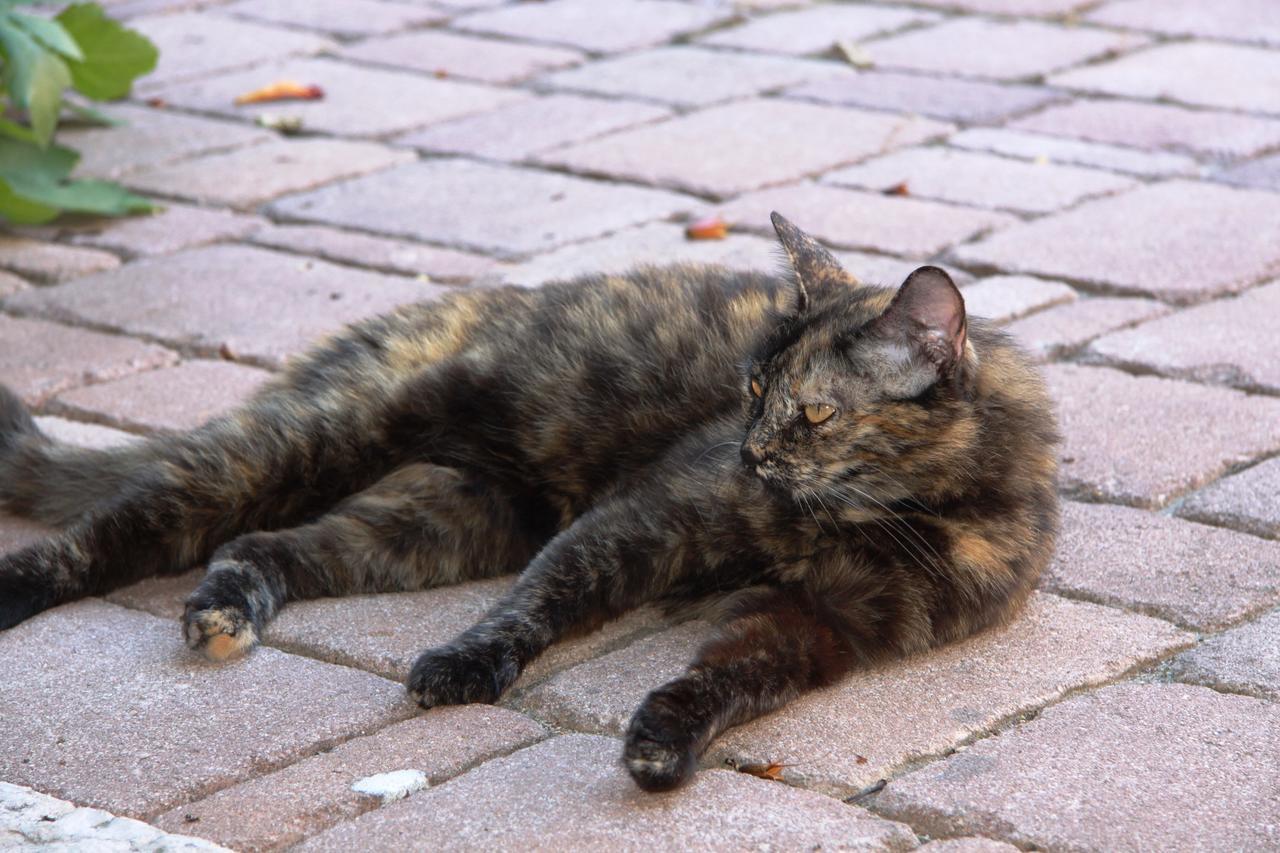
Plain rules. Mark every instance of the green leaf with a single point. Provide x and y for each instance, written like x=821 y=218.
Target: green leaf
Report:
x=89 y=115
x=114 y=56
x=101 y=197
x=49 y=33
x=34 y=186
x=22 y=159
x=36 y=80
x=22 y=211
x=13 y=130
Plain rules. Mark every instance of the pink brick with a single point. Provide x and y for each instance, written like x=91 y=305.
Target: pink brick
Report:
x=1244 y=660
x=1145 y=440
x=377 y=253
x=49 y=262
x=840 y=217
x=18 y=533
x=82 y=434
x=1010 y=7
x=1179 y=240
x=174 y=227
x=175 y=398
x=1248 y=501
x=1232 y=20
x=164 y=595
x=1202 y=577
x=1008 y=297
x=1062 y=331
x=599 y=26
x=1131 y=767
x=1263 y=174
x=11 y=284
x=816 y=29
x=39 y=359
x=1001 y=50
x=454 y=55
x=971 y=844
x=339 y=18
x=946 y=98
x=775 y=141
x=250 y=176
x=1048 y=149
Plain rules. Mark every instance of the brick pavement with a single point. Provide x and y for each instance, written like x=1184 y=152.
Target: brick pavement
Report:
x=1102 y=177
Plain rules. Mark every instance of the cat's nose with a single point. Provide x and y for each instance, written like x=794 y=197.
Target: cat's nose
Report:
x=751 y=455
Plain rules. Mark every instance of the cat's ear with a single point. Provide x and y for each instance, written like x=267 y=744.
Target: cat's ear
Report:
x=812 y=264
x=927 y=315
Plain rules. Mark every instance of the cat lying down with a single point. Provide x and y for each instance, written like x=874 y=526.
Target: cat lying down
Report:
x=855 y=472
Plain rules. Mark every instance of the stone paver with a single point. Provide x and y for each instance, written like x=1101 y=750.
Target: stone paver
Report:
x=886 y=717
x=547 y=122
x=192 y=727
x=571 y=792
x=690 y=76
x=1128 y=768
x=972 y=47
x=1178 y=240
x=1144 y=440
x=358 y=100
x=1065 y=330
x=1156 y=126
x=176 y=398
x=775 y=141
x=972 y=844
x=840 y=217
x=40 y=359
x=456 y=55
x=981 y=180
x=1263 y=174
x=1009 y=7
x=1040 y=149
x=816 y=29
x=1203 y=577
x=248 y=177
x=485 y=208
x=1247 y=501
x=18 y=533
x=1002 y=298
x=32 y=820
x=50 y=263
x=163 y=595
x=1233 y=20
x=174 y=227
x=1201 y=73
x=938 y=97
x=338 y=18
x=82 y=434
x=284 y=807
x=603 y=26
x=1244 y=660
x=236 y=301
x=10 y=284
x=1228 y=342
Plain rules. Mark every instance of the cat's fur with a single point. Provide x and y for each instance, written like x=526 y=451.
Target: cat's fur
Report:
x=605 y=437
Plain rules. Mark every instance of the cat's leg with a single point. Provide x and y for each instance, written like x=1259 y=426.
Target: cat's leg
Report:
x=420 y=526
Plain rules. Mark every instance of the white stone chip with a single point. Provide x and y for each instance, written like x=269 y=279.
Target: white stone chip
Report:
x=392 y=786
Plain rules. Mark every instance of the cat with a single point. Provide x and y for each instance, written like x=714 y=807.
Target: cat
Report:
x=857 y=473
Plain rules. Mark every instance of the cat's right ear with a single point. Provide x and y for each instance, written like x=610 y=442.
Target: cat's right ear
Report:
x=812 y=264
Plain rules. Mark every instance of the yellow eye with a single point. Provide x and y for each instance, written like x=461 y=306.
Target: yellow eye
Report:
x=757 y=388
x=819 y=413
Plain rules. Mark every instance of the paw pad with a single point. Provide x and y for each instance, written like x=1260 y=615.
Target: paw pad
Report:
x=220 y=633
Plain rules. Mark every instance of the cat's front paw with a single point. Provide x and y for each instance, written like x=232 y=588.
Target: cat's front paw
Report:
x=219 y=632
x=462 y=673
x=660 y=754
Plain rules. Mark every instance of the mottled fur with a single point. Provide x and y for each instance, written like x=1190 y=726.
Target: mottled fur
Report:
x=602 y=437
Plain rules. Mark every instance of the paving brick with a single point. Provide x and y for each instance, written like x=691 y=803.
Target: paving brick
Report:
x=18 y=533
x=1248 y=501
x=1016 y=50
x=1144 y=440
x=174 y=227
x=1198 y=576
x=969 y=101
x=572 y=793
x=82 y=434
x=175 y=398
x=10 y=284
x=546 y=122
x=1064 y=330
x=1002 y=298
x=1201 y=73
x=486 y=208
x=890 y=716
x=194 y=44
x=164 y=727
x=1228 y=342
x=774 y=141
x=1178 y=240
x=1131 y=767
x=248 y=177
x=284 y=807
x=1263 y=174
x=1233 y=20
x=691 y=76
x=379 y=253
x=1010 y=7
x=906 y=226
x=1040 y=149
x=1154 y=126
x=39 y=359
x=971 y=844
x=237 y=301
x=164 y=595
x=603 y=26
x=455 y=55
x=151 y=137
x=981 y=180
x=49 y=262
x=358 y=101
x=339 y=18
x=816 y=29
x=1244 y=660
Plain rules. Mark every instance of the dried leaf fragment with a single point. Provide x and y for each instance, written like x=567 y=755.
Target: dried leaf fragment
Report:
x=771 y=771
x=286 y=124
x=854 y=54
x=709 y=228
x=281 y=90
x=899 y=188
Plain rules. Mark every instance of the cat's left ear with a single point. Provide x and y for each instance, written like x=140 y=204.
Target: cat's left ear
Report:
x=812 y=264
x=927 y=314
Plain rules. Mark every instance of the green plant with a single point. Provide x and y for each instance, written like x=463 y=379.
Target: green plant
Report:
x=80 y=48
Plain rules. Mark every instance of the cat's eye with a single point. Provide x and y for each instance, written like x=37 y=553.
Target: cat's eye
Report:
x=818 y=413
x=757 y=388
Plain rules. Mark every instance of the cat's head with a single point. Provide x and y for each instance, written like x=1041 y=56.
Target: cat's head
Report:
x=860 y=395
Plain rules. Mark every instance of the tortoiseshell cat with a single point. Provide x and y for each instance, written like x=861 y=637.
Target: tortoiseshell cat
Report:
x=867 y=472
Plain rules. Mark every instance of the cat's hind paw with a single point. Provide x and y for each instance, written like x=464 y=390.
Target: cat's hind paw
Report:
x=461 y=674
x=658 y=760
x=219 y=633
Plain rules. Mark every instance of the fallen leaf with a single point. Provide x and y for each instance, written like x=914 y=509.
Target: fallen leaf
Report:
x=709 y=228
x=854 y=54
x=281 y=90
x=771 y=771
x=862 y=759
x=158 y=103
x=441 y=74
x=897 y=189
